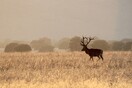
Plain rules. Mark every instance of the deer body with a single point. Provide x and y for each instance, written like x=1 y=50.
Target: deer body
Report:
x=91 y=52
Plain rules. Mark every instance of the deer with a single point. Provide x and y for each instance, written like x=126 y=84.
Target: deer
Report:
x=91 y=52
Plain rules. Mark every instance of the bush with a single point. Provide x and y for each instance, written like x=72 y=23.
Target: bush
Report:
x=117 y=46
x=10 y=47
x=102 y=44
x=74 y=44
x=46 y=48
x=128 y=46
x=22 y=48
x=64 y=43
x=38 y=44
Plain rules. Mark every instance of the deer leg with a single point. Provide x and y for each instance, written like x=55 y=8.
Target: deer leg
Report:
x=102 y=57
x=91 y=58
x=99 y=58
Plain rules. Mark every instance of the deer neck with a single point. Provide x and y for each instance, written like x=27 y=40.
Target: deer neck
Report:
x=87 y=50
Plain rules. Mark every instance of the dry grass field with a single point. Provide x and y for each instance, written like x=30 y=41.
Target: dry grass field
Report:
x=65 y=70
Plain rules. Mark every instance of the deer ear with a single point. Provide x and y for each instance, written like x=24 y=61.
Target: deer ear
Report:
x=81 y=44
x=82 y=41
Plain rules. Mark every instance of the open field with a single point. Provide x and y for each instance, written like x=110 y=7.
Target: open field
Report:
x=65 y=70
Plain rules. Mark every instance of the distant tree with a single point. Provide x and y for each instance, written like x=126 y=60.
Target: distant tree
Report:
x=35 y=44
x=46 y=48
x=74 y=44
x=128 y=46
x=101 y=44
x=38 y=44
x=42 y=45
x=63 y=43
x=8 y=41
x=126 y=40
x=117 y=46
x=10 y=47
x=22 y=48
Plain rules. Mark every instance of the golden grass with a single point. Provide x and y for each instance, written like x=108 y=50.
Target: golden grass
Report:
x=65 y=70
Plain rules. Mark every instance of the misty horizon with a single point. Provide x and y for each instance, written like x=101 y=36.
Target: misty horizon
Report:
x=29 y=20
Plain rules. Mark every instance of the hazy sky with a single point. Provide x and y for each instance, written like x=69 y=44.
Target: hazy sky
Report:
x=32 y=19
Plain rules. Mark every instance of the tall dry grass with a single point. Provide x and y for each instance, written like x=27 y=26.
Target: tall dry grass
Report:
x=65 y=70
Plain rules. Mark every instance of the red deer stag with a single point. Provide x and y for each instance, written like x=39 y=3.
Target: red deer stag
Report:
x=91 y=52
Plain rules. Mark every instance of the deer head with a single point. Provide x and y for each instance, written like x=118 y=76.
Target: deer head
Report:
x=87 y=42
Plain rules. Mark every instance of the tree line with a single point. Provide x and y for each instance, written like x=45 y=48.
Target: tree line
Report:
x=69 y=44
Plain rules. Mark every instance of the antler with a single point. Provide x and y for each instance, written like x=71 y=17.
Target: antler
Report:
x=88 y=41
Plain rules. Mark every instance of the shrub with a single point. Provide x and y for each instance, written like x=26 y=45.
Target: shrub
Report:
x=118 y=46
x=102 y=44
x=22 y=48
x=10 y=47
x=74 y=44
x=38 y=44
x=64 y=43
